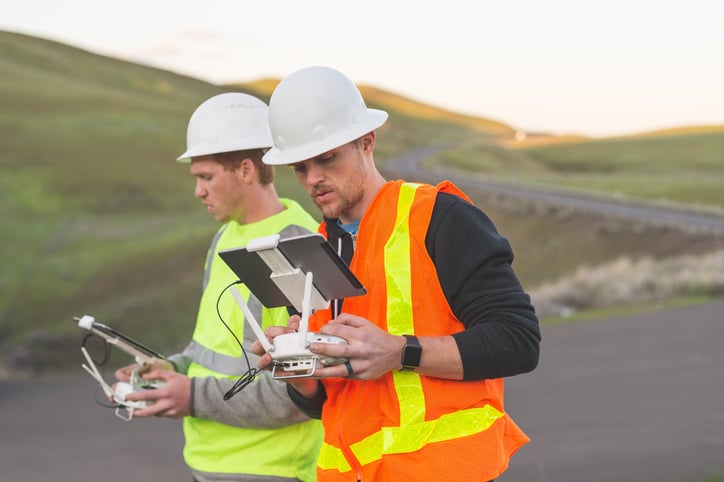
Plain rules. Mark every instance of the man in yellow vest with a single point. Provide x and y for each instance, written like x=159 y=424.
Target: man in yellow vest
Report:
x=258 y=434
x=444 y=318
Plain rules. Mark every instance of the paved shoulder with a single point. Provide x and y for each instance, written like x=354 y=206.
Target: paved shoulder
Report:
x=51 y=429
x=632 y=398
x=637 y=398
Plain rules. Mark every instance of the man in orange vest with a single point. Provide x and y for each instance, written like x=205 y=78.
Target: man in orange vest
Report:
x=444 y=318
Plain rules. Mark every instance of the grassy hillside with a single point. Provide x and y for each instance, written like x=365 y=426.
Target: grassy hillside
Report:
x=100 y=217
x=683 y=166
x=91 y=193
x=101 y=220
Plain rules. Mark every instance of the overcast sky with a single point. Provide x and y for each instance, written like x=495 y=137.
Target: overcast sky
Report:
x=592 y=67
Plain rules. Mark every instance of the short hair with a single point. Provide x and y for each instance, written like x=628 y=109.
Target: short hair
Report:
x=232 y=161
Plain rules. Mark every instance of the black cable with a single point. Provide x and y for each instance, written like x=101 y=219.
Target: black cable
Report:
x=250 y=375
x=106 y=347
x=241 y=383
x=103 y=361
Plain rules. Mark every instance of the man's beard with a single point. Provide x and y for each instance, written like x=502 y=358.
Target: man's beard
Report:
x=347 y=198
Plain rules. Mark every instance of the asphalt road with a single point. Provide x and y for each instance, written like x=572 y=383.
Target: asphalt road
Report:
x=637 y=398
x=51 y=429
x=407 y=167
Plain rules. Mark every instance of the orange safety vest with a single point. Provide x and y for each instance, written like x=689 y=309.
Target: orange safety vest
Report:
x=406 y=426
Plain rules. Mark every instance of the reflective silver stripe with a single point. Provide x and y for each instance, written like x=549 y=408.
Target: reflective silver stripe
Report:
x=210 y=256
x=218 y=362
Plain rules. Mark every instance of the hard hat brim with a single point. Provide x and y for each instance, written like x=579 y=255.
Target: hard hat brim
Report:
x=278 y=157
x=209 y=150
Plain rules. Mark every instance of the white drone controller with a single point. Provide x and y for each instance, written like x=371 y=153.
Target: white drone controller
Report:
x=144 y=356
x=290 y=351
x=288 y=263
x=124 y=408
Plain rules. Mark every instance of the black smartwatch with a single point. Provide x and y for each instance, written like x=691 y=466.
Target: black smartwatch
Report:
x=411 y=353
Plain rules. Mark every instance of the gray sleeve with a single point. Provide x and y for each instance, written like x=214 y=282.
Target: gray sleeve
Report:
x=264 y=403
x=181 y=361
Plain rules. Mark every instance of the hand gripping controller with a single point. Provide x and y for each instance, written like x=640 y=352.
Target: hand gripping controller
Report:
x=279 y=273
x=124 y=408
x=290 y=351
x=142 y=355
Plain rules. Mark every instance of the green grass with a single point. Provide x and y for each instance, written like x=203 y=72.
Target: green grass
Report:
x=686 y=168
x=100 y=217
x=680 y=166
x=711 y=479
x=94 y=205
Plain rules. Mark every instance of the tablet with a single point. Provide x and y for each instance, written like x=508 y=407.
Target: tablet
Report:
x=332 y=278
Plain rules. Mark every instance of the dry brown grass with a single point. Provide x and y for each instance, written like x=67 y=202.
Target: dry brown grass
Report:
x=628 y=282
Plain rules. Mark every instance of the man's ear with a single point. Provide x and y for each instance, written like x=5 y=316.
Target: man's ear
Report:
x=367 y=141
x=247 y=170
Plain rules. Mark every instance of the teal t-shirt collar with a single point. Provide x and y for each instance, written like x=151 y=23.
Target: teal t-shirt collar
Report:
x=351 y=228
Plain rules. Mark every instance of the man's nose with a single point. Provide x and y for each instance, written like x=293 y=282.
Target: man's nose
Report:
x=315 y=174
x=199 y=190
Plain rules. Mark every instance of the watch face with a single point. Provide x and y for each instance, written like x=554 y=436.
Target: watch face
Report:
x=411 y=353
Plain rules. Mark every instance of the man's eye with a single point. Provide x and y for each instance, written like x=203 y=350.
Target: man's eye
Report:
x=325 y=160
x=299 y=168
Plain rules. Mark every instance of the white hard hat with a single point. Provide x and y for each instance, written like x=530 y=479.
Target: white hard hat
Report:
x=314 y=110
x=227 y=122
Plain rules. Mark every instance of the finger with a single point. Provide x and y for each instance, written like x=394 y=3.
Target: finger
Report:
x=293 y=322
x=336 y=350
x=164 y=365
x=124 y=373
x=349 y=320
x=338 y=329
x=154 y=410
x=257 y=348
x=265 y=362
x=274 y=331
x=149 y=394
x=158 y=374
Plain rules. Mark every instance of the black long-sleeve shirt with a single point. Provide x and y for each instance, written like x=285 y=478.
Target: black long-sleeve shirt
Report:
x=474 y=266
